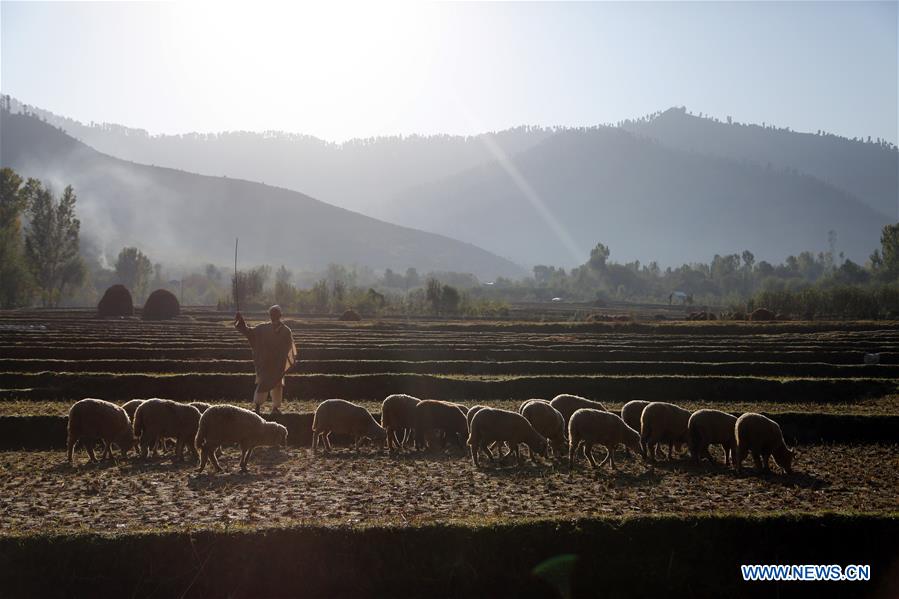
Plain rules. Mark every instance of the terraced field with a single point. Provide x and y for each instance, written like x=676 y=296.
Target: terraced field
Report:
x=811 y=377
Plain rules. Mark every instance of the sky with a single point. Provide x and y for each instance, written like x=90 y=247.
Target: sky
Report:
x=346 y=70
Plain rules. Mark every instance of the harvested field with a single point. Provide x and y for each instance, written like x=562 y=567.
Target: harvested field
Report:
x=287 y=487
x=381 y=513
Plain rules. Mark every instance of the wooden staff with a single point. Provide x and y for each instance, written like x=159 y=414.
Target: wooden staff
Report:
x=236 y=282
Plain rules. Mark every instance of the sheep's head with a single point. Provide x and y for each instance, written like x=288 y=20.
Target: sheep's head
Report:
x=376 y=432
x=784 y=459
x=276 y=434
x=126 y=441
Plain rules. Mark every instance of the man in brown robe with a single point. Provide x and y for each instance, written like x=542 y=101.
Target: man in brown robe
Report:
x=274 y=353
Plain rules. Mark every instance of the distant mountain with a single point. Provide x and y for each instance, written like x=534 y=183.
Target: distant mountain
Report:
x=644 y=200
x=357 y=175
x=870 y=171
x=184 y=218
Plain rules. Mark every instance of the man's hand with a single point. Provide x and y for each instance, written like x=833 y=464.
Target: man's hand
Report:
x=239 y=321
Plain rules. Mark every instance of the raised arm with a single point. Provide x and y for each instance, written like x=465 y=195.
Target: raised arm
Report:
x=241 y=325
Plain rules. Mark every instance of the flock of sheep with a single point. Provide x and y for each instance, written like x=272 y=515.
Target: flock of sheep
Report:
x=568 y=422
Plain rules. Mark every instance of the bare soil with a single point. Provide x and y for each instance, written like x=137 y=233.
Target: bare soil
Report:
x=39 y=491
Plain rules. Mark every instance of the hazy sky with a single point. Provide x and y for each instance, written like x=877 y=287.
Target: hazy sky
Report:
x=356 y=70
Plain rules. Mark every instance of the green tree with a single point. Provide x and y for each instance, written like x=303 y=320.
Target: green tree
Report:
x=598 y=257
x=15 y=280
x=51 y=242
x=433 y=294
x=889 y=250
x=449 y=299
x=133 y=269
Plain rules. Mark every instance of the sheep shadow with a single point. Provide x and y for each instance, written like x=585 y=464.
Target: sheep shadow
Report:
x=161 y=464
x=800 y=480
x=81 y=466
x=211 y=480
x=510 y=469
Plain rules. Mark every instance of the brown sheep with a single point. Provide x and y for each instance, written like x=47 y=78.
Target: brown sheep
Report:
x=547 y=421
x=344 y=418
x=491 y=425
x=762 y=437
x=156 y=419
x=398 y=416
x=91 y=420
x=591 y=427
x=224 y=425
x=663 y=422
x=711 y=426
x=432 y=416
x=568 y=404
x=130 y=407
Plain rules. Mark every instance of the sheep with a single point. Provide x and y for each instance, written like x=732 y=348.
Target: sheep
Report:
x=156 y=419
x=547 y=421
x=131 y=406
x=201 y=406
x=527 y=401
x=589 y=426
x=761 y=436
x=397 y=412
x=631 y=413
x=568 y=404
x=432 y=415
x=95 y=419
x=711 y=426
x=342 y=417
x=493 y=425
x=224 y=424
x=663 y=422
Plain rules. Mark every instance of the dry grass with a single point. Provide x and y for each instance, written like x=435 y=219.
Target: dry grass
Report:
x=40 y=492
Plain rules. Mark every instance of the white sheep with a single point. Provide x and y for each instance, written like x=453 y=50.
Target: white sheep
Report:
x=491 y=425
x=92 y=420
x=663 y=422
x=224 y=425
x=439 y=419
x=398 y=416
x=706 y=427
x=527 y=401
x=763 y=438
x=632 y=411
x=599 y=427
x=156 y=419
x=568 y=404
x=344 y=418
x=547 y=421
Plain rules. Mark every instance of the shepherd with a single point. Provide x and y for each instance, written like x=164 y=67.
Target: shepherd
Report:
x=274 y=354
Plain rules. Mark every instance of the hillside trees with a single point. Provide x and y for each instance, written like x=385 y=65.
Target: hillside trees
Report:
x=51 y=242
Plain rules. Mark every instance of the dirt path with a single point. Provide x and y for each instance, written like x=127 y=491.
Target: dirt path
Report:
x=38 y=491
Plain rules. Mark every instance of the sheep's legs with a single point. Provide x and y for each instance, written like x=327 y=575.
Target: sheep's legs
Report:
x=90 y=451
x=214 y=460
x=70 y=447
x=758 y=460
x=326 y=438
x=608 y=458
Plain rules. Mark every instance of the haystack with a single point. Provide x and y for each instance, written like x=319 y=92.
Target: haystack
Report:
x=350 y=315
x=116 y=302
x=761 y=314
x=161 y=305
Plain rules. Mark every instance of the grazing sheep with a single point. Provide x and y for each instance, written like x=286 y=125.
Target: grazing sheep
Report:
x=491 y=425
x=131 y=406
x=224 y=425
x=156 y=419
x=527 y=401
x=547 y=421
x=568 y=404
x=202 y=406
x=398 y=415
x=91 y=420
x=711 y=426
x=432 y=415
x=663 y=422
x=632 y=411
x=761 y=436
x=344 y=418
x=598 y=427
x=471 y=412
